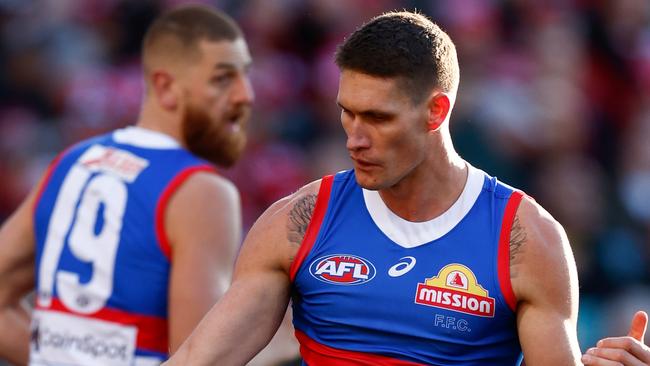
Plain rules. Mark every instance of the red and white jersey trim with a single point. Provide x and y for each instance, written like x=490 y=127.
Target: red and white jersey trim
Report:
x=152 y=332
x=412 y=234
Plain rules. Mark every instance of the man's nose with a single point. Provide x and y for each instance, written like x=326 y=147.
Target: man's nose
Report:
x=357 y=136
x=243 y=93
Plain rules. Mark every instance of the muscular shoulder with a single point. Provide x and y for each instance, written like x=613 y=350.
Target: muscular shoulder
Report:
x=206 y=205
x=201 y=185
x=281 y=228
x=534 y=232
x=541 y=260
x=294 y=210
x=299 y=211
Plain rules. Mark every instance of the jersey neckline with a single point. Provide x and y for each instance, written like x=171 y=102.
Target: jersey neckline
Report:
x=410 y=234
x=142 y=137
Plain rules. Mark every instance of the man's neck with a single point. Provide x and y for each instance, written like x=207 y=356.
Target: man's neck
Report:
x=431 y=189
x=154 y=119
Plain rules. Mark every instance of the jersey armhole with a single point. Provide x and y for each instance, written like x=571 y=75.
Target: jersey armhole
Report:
x=320 y=208
x=47 y=177
x=161 y=206
x=503 y=256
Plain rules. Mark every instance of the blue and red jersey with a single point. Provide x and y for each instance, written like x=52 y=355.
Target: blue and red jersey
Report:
x=102 y=255
x=370 y=288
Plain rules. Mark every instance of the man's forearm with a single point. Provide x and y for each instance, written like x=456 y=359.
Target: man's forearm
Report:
x=14 y=334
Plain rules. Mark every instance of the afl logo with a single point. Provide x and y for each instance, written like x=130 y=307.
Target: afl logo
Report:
x=342 y=269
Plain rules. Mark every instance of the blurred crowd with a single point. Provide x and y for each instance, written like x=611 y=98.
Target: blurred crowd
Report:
x=554 y=99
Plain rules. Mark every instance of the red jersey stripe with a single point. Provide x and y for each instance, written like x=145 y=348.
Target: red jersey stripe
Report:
x=503 y=258
x=152 y=330
x=316 y=354
x=313 y=228
x=175 y=183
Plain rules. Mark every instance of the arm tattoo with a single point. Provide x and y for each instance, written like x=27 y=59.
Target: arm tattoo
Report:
x=517 y=239
x=299 y=218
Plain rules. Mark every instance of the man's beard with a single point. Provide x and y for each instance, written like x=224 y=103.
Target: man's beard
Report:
x=214 y=141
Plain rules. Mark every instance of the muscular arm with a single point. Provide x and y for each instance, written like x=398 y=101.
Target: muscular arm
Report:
x=16 y=280
x=284 y=346
x=545 y=282
x=203 y=224
x=248 y=315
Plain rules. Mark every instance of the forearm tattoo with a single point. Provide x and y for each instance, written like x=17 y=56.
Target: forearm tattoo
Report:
x=299 y=218
x=517 y=239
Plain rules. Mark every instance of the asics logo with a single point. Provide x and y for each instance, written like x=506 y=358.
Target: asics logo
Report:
x=401 y=268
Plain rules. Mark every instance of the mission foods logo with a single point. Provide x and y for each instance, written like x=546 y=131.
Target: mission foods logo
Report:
x=455 y=288
x=342 y=269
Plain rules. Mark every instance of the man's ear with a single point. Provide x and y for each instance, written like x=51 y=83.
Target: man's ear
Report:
x=439 y=106
x=162 y=85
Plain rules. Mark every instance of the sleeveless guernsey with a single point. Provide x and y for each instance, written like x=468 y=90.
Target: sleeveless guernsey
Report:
x=370 y=288
x=102 y=256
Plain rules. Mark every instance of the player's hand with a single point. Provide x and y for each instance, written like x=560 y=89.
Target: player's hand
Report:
x=622 y=351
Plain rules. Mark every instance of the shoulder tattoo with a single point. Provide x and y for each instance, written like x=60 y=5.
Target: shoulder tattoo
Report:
x=299 y=218
x=517 y=240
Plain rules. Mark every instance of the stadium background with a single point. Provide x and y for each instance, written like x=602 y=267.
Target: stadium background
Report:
x=554 y=99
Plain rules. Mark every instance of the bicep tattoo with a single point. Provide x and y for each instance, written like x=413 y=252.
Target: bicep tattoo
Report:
x=517 y=239
x=299 y=218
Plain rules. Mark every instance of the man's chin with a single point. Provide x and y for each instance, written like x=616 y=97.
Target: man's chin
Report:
x=221 y=158
x=223 y=154
x=224 y=160
x=367 y=181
